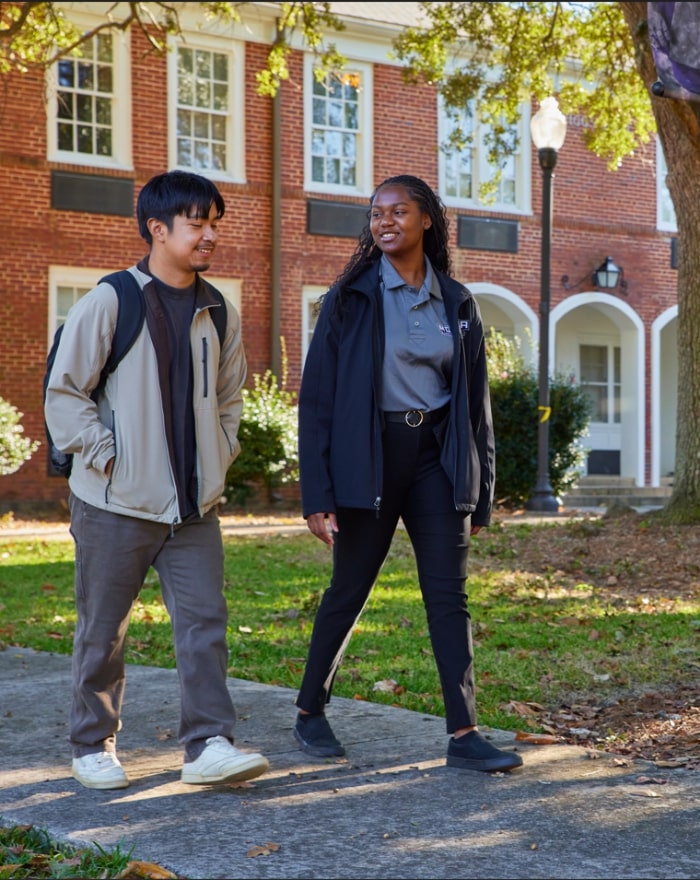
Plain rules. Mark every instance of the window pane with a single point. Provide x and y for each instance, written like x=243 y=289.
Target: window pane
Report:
x=349 y=146
x=202 y=155
x=317 y=168
x=185 y=63
x=65 y=136
x=185 y=91
x=84 y=107
x=334 y=87
x=203 y=92
x=220 y=157
x=65 y=105
x=104 y=141
x=103 y=111
x=319 y=112
x=352 y=116
x=66 y=73
x=203 y=64
x=333 y=143
x=218 y=128
x=220 y=101
x=201 y=125
x=104 y=79
x=318 y=143
x=85 y=75
x=220 y=67
x=184 y=152
x=64 y=300
x=349 y=174
x=104 y=48
x=84 y=139
x=335 y=114
x=184 y=122
x=350 y=87
x=332 y=171
x=594 y=363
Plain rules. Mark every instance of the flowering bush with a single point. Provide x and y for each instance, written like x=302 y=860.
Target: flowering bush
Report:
x=15 y=448
x=268 y=435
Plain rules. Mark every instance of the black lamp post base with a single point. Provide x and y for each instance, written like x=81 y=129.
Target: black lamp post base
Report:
x=542 y=502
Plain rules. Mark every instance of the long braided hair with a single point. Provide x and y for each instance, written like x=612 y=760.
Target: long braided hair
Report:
x=435 y=238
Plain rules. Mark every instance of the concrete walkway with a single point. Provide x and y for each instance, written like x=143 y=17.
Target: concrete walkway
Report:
x=389 y=809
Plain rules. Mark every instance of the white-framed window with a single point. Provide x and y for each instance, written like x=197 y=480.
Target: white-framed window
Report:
x=665 y=212
x=68 y=283
x=206 y=117
x=89 y=107
x=309 y=313
x=601 y=381
x=338 y=130
x=462 y=172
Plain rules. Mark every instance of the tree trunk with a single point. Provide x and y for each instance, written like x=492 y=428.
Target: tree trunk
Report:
x=678 y=124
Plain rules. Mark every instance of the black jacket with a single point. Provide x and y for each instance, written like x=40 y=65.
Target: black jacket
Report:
x=341 y=424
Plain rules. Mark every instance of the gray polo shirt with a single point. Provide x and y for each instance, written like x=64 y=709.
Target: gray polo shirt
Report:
x=418 y=343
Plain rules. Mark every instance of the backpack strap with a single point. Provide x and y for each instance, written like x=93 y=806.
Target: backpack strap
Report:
x=218 y=315
x=131 y=314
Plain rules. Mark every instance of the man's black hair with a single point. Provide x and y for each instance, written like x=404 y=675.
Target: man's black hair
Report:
x=172 y=193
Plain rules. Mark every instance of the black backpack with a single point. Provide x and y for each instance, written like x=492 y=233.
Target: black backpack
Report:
x=131 y=313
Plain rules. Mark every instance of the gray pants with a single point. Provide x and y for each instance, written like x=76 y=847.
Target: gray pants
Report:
x=113 y=554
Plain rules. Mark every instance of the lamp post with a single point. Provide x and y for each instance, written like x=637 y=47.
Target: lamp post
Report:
x=548 y=129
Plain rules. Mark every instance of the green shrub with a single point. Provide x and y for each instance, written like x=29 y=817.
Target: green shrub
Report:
x=268 y=434
x=514 y=400
x=15 y=448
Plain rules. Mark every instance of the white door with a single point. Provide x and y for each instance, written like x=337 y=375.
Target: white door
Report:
x=601 y=378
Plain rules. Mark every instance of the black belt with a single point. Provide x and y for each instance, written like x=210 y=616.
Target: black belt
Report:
x=414 y=418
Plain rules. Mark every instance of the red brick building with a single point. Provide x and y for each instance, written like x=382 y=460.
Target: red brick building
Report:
x=296 y=173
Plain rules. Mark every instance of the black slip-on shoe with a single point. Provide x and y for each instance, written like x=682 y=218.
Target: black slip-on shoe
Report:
x=314 y=735
x=473 y=752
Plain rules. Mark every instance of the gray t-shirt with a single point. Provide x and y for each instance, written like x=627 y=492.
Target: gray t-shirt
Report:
x=419 y=347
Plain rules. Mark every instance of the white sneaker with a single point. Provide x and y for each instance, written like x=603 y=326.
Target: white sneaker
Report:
x=222 y=762
x=100 y=770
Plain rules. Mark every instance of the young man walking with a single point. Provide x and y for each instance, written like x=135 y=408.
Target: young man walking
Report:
x=149 y=467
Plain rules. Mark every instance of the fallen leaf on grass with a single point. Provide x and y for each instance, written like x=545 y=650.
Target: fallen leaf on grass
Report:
x=388 y=686
x=145 y=871
x=657 y=780
x=646 y=793
x=517 y=707
x=262 y=850
x=536 y=739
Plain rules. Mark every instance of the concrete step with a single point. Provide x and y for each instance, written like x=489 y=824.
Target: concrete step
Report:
x=602 y=491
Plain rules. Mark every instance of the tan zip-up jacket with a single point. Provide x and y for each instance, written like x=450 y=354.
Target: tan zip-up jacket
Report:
x=128 y=421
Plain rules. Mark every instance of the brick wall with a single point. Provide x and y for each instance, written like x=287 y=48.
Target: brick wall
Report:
x=596 y=212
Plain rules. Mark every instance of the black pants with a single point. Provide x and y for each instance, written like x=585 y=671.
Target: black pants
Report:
x=416 y=489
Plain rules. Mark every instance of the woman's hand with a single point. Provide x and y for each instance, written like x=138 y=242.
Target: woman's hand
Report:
x=322 y=525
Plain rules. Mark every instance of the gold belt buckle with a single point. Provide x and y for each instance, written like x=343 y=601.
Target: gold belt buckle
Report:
x=411 y=414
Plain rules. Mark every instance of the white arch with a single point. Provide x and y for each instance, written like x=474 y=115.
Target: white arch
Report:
x=658 y=325
x=525 y=321
x=632 y=335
